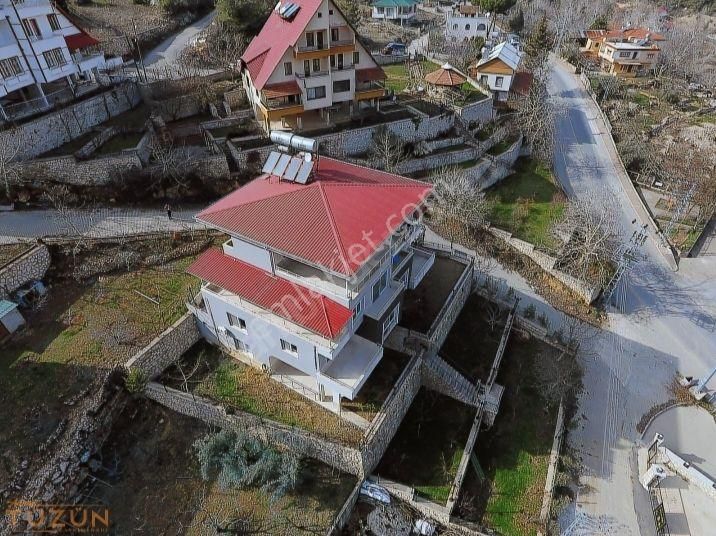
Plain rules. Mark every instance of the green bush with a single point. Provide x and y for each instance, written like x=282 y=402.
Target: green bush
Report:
x=177 y=6
x=136 y=381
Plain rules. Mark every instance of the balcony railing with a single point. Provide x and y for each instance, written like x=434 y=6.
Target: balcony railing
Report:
x=313 y=48
x=342 y=43
x=314 y=74
x=278 y=105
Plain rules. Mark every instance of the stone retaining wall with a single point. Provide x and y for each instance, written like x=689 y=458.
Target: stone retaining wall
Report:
x=493 y=169
x=440 y=376
x=547 y=263
x=56 y=128
x=345 y=512
x=68 y=170
x=30 y=266
x=167 y=347
x=437 y=160
x=427 y=147
x=552 y=469
x=336 y=455
x=480 y=112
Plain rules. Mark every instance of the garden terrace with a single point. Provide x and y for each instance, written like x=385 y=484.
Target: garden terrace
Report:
x=372 y=395
x=8 y=252
x=176 y=499
x=421 y=305
x=527 y=202
x=472 y=343
x=240 y=387
x=428 y=446
x=514 y=453
x=397 y=76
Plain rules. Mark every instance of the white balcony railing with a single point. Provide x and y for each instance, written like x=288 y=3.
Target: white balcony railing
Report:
x=314 y=74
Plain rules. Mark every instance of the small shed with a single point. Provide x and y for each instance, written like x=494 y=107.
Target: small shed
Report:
x=10 y=318
x=446 y=76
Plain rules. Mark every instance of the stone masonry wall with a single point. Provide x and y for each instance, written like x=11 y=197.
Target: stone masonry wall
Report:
x=439 y=376
x=481 y=112
x=437 y=160
x=547 y=263
x=69 y=170
x=30 y=266
x=391 y=415
x=499 y=166
x=166 y=347
x=54 y=129
x=336 y=455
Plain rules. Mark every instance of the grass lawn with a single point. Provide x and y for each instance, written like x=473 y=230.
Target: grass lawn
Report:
x=175 y=500
x=398 y=77
x=514 y=453
x=527 y=202
x=79 y=332
x=428 y=446
x=120 y=142
x=247 y=389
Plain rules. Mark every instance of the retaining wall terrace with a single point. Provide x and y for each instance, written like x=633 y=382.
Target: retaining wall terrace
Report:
x=587 y=292
x=29 y=266
x=437 y=160
x=492 y=169
x=93 y=172
x=167 y=347
x=56 y=128
x=440 y=376
x=480 y=112
x=336 y=455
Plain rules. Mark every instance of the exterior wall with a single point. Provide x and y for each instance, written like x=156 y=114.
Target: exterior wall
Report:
x=69 y=170
x=167 y=347
x=30 y=266
x=255 y=255
x=480 y=112
x=56 y=128
x=460 y=27
x=492 y=81
x=437 y=160
x=393 y=13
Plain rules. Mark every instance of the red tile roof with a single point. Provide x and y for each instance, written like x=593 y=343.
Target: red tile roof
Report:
x=445 y=76
x=80 y=40
x=337 y=221
x=283 y=89
x=286 y=299
x=629 y=33
x=276 y=36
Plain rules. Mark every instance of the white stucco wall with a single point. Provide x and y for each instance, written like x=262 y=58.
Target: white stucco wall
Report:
x=461 y=27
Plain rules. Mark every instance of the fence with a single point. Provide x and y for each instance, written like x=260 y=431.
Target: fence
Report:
x=552 y=469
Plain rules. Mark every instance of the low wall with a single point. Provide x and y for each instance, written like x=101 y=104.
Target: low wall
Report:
x=547 y=263
x=552 y=469
x=68 y=170
x=495 y=168
x=480 y=112
x=427 y=147
x=437 y=160
x=387 y=59
x=167 y=347
x=56 y=128
x=29 y=266
x=336 y=455
x=344 y=514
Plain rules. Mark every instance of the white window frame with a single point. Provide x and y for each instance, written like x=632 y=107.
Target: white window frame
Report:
x=57 y=56
x=356 y=57
x=236 y=321
x=381 y=283
x=358 y=309
x=53 y=20
x=287 y=68
x=11 y=67
x=392 y=318
x=289 y=347
x=499 y=80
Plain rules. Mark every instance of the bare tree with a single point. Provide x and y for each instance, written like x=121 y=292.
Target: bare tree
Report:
x=459 y=208
x=589 y=235
x=171 y=162
x=222 y=49
x=557 y=375
x=536 y=117
x=388 y=150
x=10 y=152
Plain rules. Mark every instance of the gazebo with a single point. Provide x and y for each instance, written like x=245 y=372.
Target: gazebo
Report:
x=446 y=76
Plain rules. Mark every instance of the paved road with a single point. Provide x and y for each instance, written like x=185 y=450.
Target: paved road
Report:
x=167 y=52
x=20 y=225
x=664 y=322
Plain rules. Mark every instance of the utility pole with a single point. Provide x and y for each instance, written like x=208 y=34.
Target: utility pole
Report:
x=626 y=259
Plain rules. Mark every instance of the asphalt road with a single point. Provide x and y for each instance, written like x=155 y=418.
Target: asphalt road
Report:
x=664 y=322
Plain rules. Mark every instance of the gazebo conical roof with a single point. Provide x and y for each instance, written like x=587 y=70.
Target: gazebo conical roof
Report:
x=445 y=76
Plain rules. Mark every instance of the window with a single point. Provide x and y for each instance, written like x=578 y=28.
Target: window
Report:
x=31 y=28
x=54 y=58
x=10 y=67
x=467 y=27
x=356 y=58
x=310 y=40
x=236 y=321
x=339 y=86
x=313 y=93
x=651 y=55
x=239 y=345
x=624 y=54
x=316 y=65
x=358 y=310
x=333 y=62
x=307 y=67
x=319 y=15
x=454 y=26
x=288 y=347
x=379 y=286
x=483 y=79
x=340 y=61
x=499 y=80
x=54 y=22
x=481 y=28
x=334 y=34
x=288 y=68
x=390 y=322
x=330 y=12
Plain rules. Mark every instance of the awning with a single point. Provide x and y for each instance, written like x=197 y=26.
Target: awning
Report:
x=80 y=40
x=284 y=89
x=369 y=75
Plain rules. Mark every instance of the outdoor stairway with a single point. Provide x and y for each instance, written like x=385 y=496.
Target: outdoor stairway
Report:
x=445 y=379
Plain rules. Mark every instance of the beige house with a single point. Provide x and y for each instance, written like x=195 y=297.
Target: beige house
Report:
x=624 y=53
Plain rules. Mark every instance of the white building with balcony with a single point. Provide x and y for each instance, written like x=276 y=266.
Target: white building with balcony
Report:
x=310 y=283
x=466 y=22
x=306 y=68
x=41 y=54
x=398 y=11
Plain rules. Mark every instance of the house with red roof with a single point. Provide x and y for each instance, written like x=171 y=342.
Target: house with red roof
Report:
x=42 y=51
x=306 y=67
x=626 y=53
x=310 y=282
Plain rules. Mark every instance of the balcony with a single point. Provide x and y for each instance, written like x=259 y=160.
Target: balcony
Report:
x=342 y=46
x=348 y=371
x=387 y=298
x=303 y=274
x=313 y=74
x=370 y=91
x=423 y=260
x=309 y=52
x=88 y=62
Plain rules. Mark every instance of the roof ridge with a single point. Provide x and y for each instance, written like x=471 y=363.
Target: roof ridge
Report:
x=334 y=227
x=325 y=316
x=273 y=196
x=401 y=177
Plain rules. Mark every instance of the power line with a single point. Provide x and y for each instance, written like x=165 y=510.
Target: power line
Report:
x=626 y=259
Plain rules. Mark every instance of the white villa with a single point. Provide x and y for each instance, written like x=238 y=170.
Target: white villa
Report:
x=41 y=53
x=466 y=22
x=310 y=283
x=400 y=11
x=306 y=66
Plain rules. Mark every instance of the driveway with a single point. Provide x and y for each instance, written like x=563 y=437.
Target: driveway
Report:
x=663 y=322
x=166 y=54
